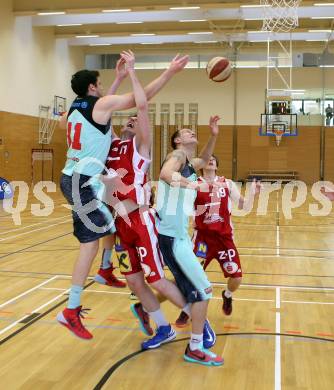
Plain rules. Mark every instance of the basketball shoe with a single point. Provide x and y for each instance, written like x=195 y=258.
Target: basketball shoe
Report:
x=182 y=320
x=107 y=277
x=227 y=304
x=202 y=356
x=143 y=318
x=209 y=335
x=71 y=318
x=163 y=335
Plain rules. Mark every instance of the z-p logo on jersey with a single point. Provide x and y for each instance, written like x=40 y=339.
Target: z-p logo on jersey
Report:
x=229 y=254
x=142 y=252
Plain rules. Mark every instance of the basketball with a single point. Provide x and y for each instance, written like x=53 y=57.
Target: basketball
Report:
x=219 y=69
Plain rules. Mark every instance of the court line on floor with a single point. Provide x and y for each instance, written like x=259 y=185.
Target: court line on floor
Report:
x=32 y=246
x=27 y=292
x=216 y=298
x=126 y=358
x=34 y=230
x=278 y=340
x=282 y=286
x=271 y=286
x=277 y=229
x=128 y=293
x=34 y=224
x=37 y=317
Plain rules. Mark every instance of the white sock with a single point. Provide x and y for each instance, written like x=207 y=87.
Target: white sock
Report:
x=158 y=317
x=186 y=309
x=196 y=341
x=227 y=293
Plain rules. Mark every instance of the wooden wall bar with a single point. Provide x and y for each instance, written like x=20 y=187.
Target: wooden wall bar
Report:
x=19 y=134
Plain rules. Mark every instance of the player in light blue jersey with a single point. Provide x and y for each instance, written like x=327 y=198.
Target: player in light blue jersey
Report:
x=175 y=204
x=89 y=140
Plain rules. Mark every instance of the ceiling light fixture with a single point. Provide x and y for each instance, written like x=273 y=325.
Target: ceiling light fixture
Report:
x=176 y=8
x=69 y=24
x=201 y=33
x=129 y=22
x=206 y=42
x=116 y=10
x=192 y=20
x=142 y=35
x=51 y=13
x=87 y=36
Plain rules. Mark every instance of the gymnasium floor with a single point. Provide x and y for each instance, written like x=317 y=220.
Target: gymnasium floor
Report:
x=280 y=335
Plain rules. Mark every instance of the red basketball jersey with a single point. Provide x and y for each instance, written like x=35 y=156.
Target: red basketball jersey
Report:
x=213 y=209
x=133 y=168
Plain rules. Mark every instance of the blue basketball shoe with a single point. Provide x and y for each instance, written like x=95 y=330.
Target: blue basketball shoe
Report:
x=209 y=335
x=164 y=334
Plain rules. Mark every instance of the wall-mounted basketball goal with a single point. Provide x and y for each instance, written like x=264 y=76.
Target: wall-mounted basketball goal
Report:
x=280 y=17
x=48 y=119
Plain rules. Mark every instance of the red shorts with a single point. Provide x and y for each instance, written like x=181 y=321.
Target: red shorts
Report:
x=137 y=245
x=211 y=245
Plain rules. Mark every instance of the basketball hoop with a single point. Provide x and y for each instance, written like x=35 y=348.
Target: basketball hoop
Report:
x=278 y=135
x=280 y=15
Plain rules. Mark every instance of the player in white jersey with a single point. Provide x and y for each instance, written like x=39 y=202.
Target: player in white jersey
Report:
x=89 y=139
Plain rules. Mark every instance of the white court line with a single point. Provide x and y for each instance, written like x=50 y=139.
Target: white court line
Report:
x=128 y=293
x=218 y=298
x=34 y=224
x=278 y=341
x=245 y=285
x=277 y=228
x=34 y=230
x=281 y=287
x=311 y=303
x=34 y=311
x=27 y=292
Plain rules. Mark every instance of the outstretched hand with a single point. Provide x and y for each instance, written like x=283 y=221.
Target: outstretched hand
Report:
x=214 y=124
x=178 y=63
x=121 y=71
x=129 y=59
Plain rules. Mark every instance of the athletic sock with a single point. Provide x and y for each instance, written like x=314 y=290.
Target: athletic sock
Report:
x=158 y=317
x=106 y=262
x=75 y=296
x=228 y=293
x=196 y=341
x=187 y=310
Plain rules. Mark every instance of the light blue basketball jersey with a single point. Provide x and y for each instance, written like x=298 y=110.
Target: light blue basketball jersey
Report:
x=175 y=205
x=88 y=142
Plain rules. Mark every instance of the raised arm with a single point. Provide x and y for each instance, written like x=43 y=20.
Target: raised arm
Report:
x=121 y=74
x=110 y=103
x=170 y=172
x=143 y=133
x=204 y=157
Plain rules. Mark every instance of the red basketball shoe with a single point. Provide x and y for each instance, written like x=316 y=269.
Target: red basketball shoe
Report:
x=71 y=318
x=107 y=277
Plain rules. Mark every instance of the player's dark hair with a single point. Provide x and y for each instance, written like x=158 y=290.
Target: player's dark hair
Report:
x=173 y=137
x=81 y=80
x=217 y=160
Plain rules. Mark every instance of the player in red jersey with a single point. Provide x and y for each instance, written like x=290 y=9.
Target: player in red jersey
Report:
x=213 y=230
x=136 y=238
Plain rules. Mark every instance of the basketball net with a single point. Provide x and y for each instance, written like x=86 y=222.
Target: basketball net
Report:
x=278 y=136
x=280 y=15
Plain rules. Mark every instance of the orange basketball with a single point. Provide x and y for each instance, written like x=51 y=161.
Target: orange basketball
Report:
x=219 y=69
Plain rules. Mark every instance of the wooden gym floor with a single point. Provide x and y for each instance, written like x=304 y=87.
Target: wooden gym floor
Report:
x=279 y=336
